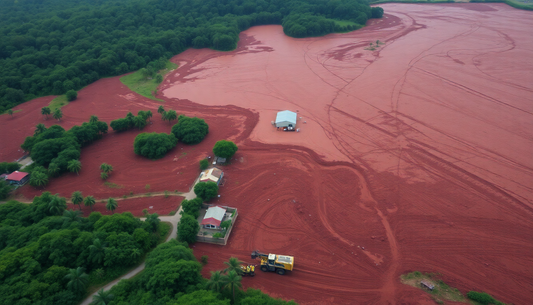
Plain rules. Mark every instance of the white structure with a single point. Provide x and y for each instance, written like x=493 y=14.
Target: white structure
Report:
x=213 y=174
x=286 y=118
x=213 y=217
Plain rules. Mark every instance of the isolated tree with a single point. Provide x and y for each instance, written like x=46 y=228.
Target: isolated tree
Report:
x=161 y=110
x=10 y=112
x=97 y=251
x=89 y=201
x=225 y=149
x=58 y=114
x=93 y=119
x=78 y=280
x=102 y=297
x=149 y=115
x=206 y=190
x=111 y=205
x=188 y=228
x=77 y=198
x=45 y=111
x=139 y=122
x=158 y=78
x=74 y=166
x=40 y=128
x=233 y=264
x=72 y=95
x=38 y=179
x=190 y=130
x=71 y=216
x=216 y=282
x=232 y=281
x=104 y=175
x=145 y=72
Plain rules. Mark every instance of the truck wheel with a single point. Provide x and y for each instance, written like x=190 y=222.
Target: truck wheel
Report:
x=264 y=268
x=280 y=271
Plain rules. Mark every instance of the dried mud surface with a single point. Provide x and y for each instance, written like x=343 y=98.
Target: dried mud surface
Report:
x=412 y=156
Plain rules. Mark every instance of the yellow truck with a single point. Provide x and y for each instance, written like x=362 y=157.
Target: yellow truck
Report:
x=274 y=263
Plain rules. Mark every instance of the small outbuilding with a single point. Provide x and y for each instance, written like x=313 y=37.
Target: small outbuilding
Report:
x=427 y=284
x=18 y=178
x=286 y=118
x=213 y=174
x=213 y=217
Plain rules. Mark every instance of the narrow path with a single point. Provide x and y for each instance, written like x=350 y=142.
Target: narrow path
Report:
x=174 y=234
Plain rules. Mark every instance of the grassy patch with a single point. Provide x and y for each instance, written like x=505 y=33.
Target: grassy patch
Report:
x=58 y=102
x=112 y=185
x=442 y=292
x=145 y=87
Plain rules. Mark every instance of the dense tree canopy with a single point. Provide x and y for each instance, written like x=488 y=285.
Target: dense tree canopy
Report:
x=206 y=190
x=54 y=46
x=190 y=130
x=154 y=145
x=225 y=149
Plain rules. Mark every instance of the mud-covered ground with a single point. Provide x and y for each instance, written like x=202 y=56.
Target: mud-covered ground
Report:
x=413 y=155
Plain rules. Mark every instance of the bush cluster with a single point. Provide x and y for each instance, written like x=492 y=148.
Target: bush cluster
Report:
x=154 y=145
x=131 y=121
x=190 y=130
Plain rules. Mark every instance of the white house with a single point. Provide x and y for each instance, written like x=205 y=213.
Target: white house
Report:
x=286 y=118
x=213 y=174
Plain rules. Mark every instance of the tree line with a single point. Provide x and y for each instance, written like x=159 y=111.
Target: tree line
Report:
x=51 y=47
x=49 y=255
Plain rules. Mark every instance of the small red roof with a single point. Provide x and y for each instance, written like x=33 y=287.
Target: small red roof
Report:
x=16 y=176
x=211 y=221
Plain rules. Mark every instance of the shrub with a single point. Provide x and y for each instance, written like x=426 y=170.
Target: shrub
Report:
x=481 y=297
x=154 y=145
x=377 y=12
x=204 y=259
x=206 y=190
x=225 y=149
x=72 y=95
x=190 y=130
x=204 y=164
x=8 y=167
x=192 y=207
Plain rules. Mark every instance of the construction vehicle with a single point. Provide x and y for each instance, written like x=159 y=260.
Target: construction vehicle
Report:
x=248 y=270
x=274 y=263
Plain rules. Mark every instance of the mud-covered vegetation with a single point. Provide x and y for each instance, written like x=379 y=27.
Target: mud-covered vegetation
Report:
x=49 y=255
x=52 y=47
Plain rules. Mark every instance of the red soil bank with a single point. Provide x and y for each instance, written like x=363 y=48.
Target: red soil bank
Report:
x=419 y=151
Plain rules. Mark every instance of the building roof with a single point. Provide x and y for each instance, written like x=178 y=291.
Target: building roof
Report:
x=16 y=176
x=214 y=216
x=212 y=174
x=286 y=116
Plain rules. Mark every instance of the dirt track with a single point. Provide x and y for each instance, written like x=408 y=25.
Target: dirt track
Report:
x=419 y=151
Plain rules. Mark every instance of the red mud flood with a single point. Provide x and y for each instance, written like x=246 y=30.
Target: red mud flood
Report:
x=414 y=156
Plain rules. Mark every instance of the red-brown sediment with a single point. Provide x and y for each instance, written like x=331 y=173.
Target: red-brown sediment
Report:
x=418 y=151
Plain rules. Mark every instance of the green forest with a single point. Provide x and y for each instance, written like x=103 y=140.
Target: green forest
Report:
x=48 y=47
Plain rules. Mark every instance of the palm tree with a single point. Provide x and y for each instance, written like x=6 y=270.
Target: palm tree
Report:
x=10 y=112
x=93 y=119
x=77 y=198
x=170 y=115
x=216 y=282
x=106 y=168
x=160 y=110
x=40 y=128
x=139 y=122
x=89 y=201
x=97 y=251
x=53 y=169
x=111 y=205
x=135 y=253
x=38 y=179
x=58 y=114
x=57 y=205
x=233 y=265
x=78 y=279
x=45 y=111
x=71 y=216
x=104 y=175
x=231 y=281
x=74 y=166
x=149 y=115
x=102 y=297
